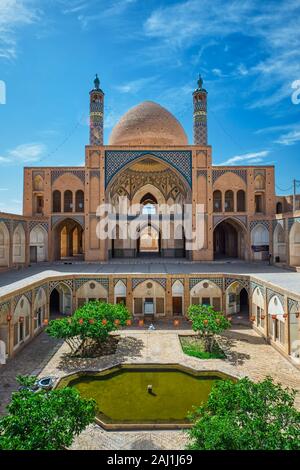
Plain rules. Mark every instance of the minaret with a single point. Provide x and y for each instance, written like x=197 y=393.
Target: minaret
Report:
x=200 y=114
x=96 y=114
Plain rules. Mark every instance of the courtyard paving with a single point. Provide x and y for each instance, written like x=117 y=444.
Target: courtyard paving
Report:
x=247 y=355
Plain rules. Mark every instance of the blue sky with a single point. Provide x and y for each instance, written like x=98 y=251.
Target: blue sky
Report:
x=247 y=51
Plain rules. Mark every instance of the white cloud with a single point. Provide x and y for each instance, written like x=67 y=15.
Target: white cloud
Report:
x=25 y=153
x=11 y=207
x=14 y=14
x=290 y=138
x=115 y=8
x=135 y=86
x=273 y=31
x=248 y=158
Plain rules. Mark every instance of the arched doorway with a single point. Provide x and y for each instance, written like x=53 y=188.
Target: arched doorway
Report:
x=237 y=302
x=68 y=240
x=244 y=303
x=149 y=241
x=229 y=240
x=54 y=303
x=60 y=302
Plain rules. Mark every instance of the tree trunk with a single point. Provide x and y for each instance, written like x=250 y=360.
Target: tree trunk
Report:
x=208 y=343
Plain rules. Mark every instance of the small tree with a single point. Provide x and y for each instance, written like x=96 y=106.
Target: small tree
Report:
x=207 y=322
x=89 y=326
x=246 y=416
x=45 y=420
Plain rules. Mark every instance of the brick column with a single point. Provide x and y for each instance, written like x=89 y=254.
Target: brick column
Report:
x=10 y=333
x=111 y=290
x=186 y=298
x=287 y=331
x=168 y=301
x=129 y=296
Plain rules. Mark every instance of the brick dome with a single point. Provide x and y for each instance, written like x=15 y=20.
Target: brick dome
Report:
x=148 y=124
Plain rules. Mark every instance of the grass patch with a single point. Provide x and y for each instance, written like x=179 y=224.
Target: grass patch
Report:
x=194 y=346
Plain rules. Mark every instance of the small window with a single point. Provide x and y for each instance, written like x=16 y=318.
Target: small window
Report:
x=217 y=201
x=79 y=201
x=56 y=201
x=205 y=301
x=279 y=208
x=68 y=201
x=229 y=206
x=241 y=201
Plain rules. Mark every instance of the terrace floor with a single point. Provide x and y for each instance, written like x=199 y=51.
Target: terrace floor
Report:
x=12 y=280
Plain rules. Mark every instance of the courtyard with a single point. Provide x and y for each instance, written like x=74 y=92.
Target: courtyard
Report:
x=247 y=354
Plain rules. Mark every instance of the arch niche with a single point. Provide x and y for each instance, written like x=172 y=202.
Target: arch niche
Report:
x=38 y=244
x=279 y=245
x=19 y=244
x=4 y=245
x=149 y=299
x=260 y=242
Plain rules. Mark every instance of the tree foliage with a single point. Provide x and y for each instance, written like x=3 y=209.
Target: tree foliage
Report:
x=246 y=416
x=45 y=420
x=90 y=324
x=207 y=322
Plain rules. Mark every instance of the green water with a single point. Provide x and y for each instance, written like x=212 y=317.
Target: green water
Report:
x=122 y=396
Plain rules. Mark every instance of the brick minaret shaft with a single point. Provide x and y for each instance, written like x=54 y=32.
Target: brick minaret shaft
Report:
x=96 y=114
x=200 y=114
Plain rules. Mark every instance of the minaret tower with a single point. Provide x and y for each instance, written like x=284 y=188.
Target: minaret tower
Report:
x=96 y=114
x=200 y=114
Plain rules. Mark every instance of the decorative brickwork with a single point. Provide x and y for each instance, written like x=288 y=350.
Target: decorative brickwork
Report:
x=265 y=223
x=254 y=285
x=271 y=293
x=293 y=306
x=80 y=282
x=216 y=173
x=34 y=223
x=57 y=173
x=216 y=280
x=115 y=160
x=54 y=284
x=244 y=283
x=137 y=281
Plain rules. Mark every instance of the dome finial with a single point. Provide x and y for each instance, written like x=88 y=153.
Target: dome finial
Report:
x=97 y=82
x=200 y=81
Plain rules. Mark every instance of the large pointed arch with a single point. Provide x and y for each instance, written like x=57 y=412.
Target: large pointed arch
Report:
x=230 y=239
